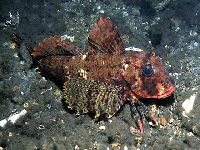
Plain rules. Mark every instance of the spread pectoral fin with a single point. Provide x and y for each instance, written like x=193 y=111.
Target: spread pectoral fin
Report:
x=87 y=96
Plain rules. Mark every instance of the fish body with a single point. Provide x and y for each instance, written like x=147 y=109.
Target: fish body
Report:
x=106 y=76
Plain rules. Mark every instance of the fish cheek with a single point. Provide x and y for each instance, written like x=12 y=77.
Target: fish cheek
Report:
x=150 y=87
x=147 y=87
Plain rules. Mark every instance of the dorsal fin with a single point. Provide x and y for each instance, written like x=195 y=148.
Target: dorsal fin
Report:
x=54 y=46
x=104 y=38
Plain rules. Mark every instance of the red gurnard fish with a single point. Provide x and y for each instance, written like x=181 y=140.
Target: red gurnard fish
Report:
x=103 y=78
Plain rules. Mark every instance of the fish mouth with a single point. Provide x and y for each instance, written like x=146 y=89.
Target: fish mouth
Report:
x=169 y=90
x=166 y=93
x=160 y=94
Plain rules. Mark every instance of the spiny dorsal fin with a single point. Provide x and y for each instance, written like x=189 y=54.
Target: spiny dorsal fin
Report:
x=53 y=46
x=104 y=38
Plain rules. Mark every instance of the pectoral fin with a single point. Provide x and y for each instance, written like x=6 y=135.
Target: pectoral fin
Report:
x=87 y=96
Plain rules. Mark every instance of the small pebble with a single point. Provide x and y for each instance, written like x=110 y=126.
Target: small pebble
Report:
x=171 y=120
x=57 y=92
x=115 y=144
x=163 y=121
x=133 y=130
x=102 y=127
x=125 y=147
x=16 y=88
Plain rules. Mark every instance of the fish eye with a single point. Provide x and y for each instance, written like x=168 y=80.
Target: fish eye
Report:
x=147 y=70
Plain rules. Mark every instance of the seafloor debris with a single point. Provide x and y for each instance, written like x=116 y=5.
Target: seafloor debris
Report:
x=16 y=40
x=12 y=118
x=101 y=80
x=163 y=121
x=11 y=20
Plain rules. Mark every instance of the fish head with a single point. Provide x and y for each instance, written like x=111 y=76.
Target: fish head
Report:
x=146 y=76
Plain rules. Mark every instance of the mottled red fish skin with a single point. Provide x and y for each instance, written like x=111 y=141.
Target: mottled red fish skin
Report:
x=102 y=67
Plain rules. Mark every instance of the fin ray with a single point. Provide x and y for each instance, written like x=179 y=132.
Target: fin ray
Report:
x=105 y=38
x=54 y=46
x=89 y=96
